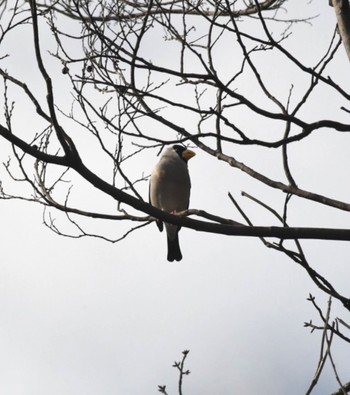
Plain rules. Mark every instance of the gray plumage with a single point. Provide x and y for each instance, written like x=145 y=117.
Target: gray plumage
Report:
x=169 y=191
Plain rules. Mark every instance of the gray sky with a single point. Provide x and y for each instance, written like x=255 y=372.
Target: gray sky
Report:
x=89 y=317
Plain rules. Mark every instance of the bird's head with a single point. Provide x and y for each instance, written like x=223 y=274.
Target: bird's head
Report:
x=183 y=152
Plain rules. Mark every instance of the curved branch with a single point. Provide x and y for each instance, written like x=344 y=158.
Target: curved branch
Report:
x=158 y=9
x=32 y=149
x=292 y=189
x=65 y=141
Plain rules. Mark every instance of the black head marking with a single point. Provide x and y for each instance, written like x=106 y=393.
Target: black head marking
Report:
x=179 y=149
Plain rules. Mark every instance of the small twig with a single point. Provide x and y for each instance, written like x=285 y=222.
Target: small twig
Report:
x=243 y=214
x=181 y=367
x=324 y=320
x=274 y=212
x=182 y=372
x=343 y=322
x=323 y=354
x=162 y=389
x=332 y=361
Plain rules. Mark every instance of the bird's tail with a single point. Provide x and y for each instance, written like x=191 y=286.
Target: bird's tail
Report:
x=174 y=252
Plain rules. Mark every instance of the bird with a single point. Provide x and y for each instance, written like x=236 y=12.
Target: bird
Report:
x=169 y=190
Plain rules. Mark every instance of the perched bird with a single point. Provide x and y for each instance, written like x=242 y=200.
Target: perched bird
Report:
x=169 y=191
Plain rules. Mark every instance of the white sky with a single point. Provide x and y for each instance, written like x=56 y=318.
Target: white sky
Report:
x=89 y=317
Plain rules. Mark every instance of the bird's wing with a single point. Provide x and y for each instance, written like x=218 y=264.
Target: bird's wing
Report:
x=152 y=198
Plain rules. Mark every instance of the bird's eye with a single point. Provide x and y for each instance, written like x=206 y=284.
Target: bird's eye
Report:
x=178 y=148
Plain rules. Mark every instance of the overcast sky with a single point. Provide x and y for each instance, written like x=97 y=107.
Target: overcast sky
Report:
x=87 y=317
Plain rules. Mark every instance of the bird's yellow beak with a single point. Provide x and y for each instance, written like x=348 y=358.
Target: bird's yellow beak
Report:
x=188 y=154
